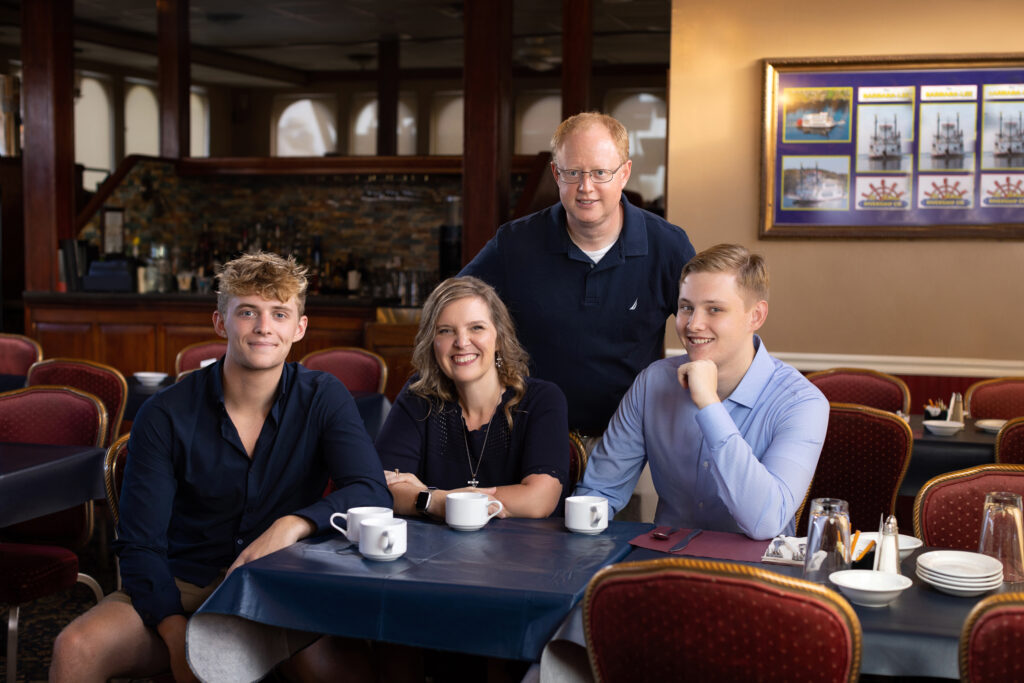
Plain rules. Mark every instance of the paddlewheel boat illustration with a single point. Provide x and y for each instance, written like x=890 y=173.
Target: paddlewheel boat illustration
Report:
x=820 y=123
x=886 y=141
x=1010 y=138
x=948 y=140
x=814 y=187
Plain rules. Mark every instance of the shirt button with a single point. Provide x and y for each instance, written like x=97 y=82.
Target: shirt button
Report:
x=238 y=542
x=706 y=465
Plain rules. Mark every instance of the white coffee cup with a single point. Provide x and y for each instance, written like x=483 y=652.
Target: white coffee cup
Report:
x=382 y=538
x=468 y=511
x=355 y=516
x=586 y=514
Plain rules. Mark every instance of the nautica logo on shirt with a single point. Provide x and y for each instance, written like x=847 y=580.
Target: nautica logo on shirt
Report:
x=633 y=307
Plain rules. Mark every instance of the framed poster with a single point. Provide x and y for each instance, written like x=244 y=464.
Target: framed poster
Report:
x=895 y=147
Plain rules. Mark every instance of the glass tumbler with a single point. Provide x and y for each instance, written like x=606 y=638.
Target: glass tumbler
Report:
x=828 y=539
x=1002 y=536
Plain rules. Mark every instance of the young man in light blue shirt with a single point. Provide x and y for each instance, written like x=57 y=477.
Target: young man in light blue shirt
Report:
x=732 y=435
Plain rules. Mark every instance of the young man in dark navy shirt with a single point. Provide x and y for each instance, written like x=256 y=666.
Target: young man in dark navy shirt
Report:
x=224 y=467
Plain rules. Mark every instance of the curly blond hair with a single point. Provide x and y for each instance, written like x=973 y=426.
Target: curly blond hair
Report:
x=437 y=387
x=262 y=273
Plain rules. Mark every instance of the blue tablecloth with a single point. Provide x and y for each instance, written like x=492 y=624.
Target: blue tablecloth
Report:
x=934 y=455
x=501 y=591
x=36 y=480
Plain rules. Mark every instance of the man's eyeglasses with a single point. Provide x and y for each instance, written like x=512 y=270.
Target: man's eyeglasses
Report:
x=574 y=176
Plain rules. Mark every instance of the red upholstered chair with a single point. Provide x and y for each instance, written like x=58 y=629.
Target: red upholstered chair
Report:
x=1010 y=442
x=991 y=640
x=44 y=563
x=948 y=508
x=680 y=618
x=866 y=387
x=358 y=369
x=96 y=378
x=190 y=357
x=1001 y=398
x=863 y=461
x=18 y=353
x=113 y=477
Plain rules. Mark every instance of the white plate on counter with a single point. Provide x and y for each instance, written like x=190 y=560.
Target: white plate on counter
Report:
x=990 y=426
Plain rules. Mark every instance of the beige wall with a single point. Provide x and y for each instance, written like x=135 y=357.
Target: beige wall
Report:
x=955 y=298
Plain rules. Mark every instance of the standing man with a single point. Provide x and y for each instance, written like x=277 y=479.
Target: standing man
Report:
x=224 y=467
x=591 y=280
x=732 y=434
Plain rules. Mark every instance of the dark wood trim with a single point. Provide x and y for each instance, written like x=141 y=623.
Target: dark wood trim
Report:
x=387 y=96
x=487 y=130
x=173 y=80
x=577 y=52
x=48 y=105
x=107 y=188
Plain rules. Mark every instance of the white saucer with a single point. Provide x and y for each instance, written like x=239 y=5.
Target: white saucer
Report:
x=589 y=531
x=463 y=527
x=960 y=564
x=990 y=426
x=959 y=591
x=382 y=558
x=150 y=379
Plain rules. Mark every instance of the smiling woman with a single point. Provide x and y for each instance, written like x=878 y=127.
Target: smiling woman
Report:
x=471 y=416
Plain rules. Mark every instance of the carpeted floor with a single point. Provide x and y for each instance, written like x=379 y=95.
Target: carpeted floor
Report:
x=42 y=620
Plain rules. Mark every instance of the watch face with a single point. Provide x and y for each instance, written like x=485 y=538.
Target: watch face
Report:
x=422 y=500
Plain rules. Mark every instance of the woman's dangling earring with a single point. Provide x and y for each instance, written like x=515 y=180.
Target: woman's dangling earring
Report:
x=498 y=362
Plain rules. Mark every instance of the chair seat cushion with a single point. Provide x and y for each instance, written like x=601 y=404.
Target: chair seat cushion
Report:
x=29 y=572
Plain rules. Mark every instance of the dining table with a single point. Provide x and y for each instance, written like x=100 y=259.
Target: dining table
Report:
x=916 y=635
x=934 y=454
x=37 y=479
x=501 y=591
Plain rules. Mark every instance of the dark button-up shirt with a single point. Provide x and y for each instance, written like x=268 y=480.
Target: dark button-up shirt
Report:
x=192 y=499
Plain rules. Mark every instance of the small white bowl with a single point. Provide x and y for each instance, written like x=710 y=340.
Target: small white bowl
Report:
x=943 y=427
x=869 y=588
x=907 y=543
x=150 y=379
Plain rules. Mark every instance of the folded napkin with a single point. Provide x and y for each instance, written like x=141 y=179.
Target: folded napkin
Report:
x=785 y=550
x=717 y=545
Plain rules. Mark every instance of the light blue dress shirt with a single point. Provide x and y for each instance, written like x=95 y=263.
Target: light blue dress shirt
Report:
x=744 y=464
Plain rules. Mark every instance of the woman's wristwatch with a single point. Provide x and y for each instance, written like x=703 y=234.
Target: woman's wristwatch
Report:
x=423 y=500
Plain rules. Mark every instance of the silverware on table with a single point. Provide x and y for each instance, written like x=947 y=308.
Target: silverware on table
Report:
x=686 y=541
x=660 y=535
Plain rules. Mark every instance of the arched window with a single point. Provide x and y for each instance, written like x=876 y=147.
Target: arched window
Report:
x=446 y=124
x=141 y=121
x=93 y=140
x=199 y=124
x=537 y=116
x=306 y=128
x=362 y=139
x=645 y=116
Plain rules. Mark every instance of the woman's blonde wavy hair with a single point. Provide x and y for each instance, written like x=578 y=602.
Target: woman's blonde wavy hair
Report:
x=437 y=387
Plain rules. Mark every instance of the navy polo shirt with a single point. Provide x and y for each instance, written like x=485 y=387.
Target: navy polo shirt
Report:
x=589 y=328
x=192 y=499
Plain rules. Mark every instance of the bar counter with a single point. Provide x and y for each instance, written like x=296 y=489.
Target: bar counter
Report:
x=135 y=332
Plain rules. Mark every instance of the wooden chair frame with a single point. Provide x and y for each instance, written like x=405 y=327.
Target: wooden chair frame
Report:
x=381 y=383
x=971 y=390
x=1006 y=429
x=873 y=373
x=113 y=420
x=189 y=347
x=952 y=476
x=990 y=604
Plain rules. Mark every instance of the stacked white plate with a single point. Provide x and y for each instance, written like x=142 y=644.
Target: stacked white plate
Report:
x=960 y=573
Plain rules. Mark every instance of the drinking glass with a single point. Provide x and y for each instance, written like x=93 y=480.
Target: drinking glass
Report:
x=1002 y=536
x=828 y=539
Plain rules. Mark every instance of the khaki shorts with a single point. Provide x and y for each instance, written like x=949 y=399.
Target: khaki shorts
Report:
x=192 y=596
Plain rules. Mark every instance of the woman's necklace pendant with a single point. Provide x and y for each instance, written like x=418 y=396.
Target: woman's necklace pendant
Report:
x=473 y=482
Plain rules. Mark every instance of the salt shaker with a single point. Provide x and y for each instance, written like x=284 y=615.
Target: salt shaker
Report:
x=956 y=408
x=887 y=554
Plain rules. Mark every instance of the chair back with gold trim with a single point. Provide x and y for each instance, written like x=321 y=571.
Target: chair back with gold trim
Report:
x=865 y=387
x=577 y=459
x=358 y=369
x=54 y=415
x=190 y=357
x=1010 y=442
x=18 y=353
x=948 y=508
x=1001 y=398
x=680 y=618
x=96 y=378
x=991 y=638
x=113 y=475
x=863 y=461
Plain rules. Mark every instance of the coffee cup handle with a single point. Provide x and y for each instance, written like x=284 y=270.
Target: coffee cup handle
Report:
x=386 y=543
x=595 y=515
x=342 y=531
x=496 y=512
